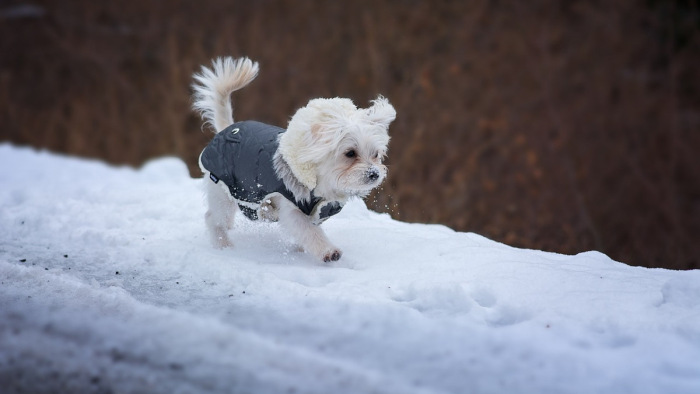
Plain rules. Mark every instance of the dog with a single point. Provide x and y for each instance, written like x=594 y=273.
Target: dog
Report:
x=300 y=176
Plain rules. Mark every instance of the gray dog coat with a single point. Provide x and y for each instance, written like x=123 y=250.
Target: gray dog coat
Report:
x=241 y=156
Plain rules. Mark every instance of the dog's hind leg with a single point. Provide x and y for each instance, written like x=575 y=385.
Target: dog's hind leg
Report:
x=221 y=210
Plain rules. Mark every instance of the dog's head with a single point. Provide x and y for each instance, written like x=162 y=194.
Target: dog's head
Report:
x=337 y=149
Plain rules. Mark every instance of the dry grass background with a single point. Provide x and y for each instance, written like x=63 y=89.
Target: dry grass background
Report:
x=557 y=125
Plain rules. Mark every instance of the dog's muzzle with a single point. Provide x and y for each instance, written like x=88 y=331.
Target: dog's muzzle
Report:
x=372 y=175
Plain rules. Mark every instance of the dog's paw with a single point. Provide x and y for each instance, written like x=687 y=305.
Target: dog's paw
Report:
x=332 y=255
x=222 y=242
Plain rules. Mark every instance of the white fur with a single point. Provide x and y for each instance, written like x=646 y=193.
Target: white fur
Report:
x=331 y=147
x=320 y=128
x=212 y=94
x=219 y=217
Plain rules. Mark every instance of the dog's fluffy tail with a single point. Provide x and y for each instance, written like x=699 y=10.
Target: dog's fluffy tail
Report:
x=213 y=87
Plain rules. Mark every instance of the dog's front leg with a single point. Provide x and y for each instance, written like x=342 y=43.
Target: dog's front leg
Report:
x=310 y=236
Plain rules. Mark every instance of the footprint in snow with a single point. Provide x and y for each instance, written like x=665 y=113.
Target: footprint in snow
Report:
x=454 y=299
x=434 y=298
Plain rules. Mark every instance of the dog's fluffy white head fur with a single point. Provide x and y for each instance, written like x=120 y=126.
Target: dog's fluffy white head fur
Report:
x=336 y=149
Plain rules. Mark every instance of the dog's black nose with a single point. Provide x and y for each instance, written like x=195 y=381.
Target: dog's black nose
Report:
x=372 y=175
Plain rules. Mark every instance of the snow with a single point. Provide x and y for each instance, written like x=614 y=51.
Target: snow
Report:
x=108 y=284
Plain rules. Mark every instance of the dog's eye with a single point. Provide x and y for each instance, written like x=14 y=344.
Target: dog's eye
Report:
x=350 y=154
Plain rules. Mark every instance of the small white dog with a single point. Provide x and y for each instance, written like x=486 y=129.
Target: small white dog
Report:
x=330 y=151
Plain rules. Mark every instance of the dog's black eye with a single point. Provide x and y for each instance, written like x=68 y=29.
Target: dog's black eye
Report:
x=350 y=154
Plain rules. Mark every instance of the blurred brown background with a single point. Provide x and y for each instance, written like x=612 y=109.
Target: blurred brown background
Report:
x=557 y=125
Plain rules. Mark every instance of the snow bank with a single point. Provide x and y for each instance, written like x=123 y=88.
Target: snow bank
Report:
x=107 y=283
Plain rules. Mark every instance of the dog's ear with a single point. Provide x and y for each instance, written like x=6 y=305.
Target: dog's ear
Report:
x=381 y=112
x=316 y=130
x=327 y=116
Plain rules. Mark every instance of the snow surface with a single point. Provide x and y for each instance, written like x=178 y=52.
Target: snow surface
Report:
x=108 y=284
